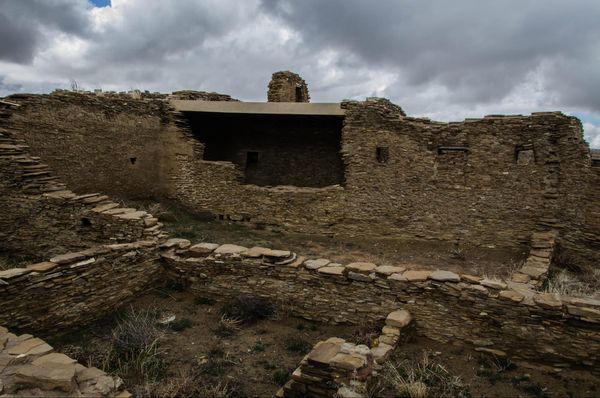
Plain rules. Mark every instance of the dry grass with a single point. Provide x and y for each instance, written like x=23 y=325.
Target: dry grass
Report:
x=420 y=379
x=568 y=283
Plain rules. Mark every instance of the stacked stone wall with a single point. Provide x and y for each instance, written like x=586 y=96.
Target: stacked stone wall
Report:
x=76 y=288
x=496 y=316
x=41 y=217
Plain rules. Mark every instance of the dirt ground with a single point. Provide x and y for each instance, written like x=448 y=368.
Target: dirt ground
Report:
x=259 y=357
x=490 y=377
x=492 y=262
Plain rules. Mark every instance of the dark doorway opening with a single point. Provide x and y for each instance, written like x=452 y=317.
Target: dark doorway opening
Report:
x=298 y=94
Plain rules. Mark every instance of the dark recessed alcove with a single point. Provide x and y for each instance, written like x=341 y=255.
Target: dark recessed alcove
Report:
x=273 y=150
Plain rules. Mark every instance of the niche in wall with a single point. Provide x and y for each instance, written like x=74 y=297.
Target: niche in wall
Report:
x=273 y=150
x=524 y=154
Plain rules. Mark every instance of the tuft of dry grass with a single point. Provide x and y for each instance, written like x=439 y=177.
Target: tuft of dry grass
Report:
x=227 y=326
x=568 y=283
x=420 y=379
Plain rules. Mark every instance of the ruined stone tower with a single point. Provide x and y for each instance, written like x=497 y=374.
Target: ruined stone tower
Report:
x=286 y=86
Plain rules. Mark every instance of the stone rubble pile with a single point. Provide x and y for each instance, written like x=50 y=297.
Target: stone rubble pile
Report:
x=337 y=368
x=29 y=367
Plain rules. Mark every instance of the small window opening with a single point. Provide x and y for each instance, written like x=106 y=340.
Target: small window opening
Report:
x=524 y=154
x=251 y=160
x=85 y=222
x=382 y=153
x=298 y=94
x=132 y=160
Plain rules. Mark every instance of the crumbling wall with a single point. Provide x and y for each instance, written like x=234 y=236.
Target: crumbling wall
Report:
x=286 y=86
x=76 y=288
x=41 y=217
x=496 y=316
x=110 y=144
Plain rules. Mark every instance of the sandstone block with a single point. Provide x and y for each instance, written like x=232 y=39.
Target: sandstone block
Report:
x=47 y=377
x=229 y=249
x=360 y=277
x=520 y=278
x=347 y=392
x=533 y=272
x=41 y=267
x=316 y=264
x=68 y=258
x=323 y=353
x=389 y=270
x=202 y=249
x=416 y=276
x=590 y=314
x=176 y=243
x=493 y=283
x=511 y=295
x=548 y=300
x=336 y=271
x=381 y=352
x=398 y=277
x=444 y=276
x=398 y=319
x=390 y=330
x=389 y=339
x=13 y=273
x=54 y=358
x=470 y=278
x=347 y=361
x=25 y=346
x=134 y=215
x=364 y=268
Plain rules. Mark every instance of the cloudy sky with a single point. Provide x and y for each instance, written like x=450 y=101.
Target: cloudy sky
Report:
x=442 y=59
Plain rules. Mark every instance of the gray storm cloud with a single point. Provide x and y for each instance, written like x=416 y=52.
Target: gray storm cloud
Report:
x=439 y=58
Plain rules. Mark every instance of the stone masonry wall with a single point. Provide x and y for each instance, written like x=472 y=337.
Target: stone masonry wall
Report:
x=500 y=317
x=76 y=288
x=42 y=218
x=286 y=86
x=486 y=182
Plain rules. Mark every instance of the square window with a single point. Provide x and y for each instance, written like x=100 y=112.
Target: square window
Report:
x=382 y=154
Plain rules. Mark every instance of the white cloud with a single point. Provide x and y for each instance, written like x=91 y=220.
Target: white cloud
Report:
x=592 y=134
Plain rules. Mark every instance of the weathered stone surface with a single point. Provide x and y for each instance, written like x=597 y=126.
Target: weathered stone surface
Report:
x=493 y=283
x=470 y=278
x=68 y=258
x=416 y=276
x=347 y=361
x=316 y=264
x=25 y=346
x=398 y=319
x=360 y=277
x=177 y=243
x=13 y=273
x=202 y=249
x=520 y=278
x=533 y=272
x=398 y=277
x=381 y=352
x=511 y=295
x=346 y=392
x=444 y=276
x=47 y=377
x=336 y=271
x=229 y=249
x=54 y=358
x=548 y=300
x=41 y=267
x=591 y=314
x=390 y=330
x=323 y=353
x=359 y=267
x=257 y=252
x=389 y=270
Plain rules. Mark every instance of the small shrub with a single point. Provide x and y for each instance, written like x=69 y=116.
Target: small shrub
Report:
x=366 y=333
x=217 y=365
x=258 y=346
x=297 y=345
x=203 y=301
x=181 y=324
x=227 y=327
x=280 y=377
x=247 y=309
